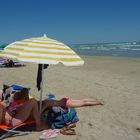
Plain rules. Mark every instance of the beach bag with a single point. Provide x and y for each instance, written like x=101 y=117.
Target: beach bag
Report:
x=58 y=117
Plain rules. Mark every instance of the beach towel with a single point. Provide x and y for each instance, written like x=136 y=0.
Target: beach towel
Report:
x=58 y=117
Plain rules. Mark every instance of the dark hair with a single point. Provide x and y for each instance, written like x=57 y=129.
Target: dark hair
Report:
x=25 y=90
x=22 y=94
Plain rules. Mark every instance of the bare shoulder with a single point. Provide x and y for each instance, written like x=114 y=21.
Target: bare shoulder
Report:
x=1 y=94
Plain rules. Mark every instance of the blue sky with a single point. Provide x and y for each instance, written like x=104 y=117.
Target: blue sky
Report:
x=70 y=21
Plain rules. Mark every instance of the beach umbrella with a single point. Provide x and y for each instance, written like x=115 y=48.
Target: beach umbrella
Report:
x=42 y=50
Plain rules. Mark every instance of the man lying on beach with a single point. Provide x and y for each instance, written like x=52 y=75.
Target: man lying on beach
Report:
x=22 y=111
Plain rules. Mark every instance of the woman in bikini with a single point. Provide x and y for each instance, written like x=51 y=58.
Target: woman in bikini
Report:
x=30 y=107
x=23 y=112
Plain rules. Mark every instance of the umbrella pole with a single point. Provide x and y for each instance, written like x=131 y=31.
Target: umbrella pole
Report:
x=41 y=90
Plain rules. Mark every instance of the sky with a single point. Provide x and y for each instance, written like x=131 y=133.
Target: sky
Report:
x=70 y=21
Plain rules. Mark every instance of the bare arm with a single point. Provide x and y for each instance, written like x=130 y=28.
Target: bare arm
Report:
x=0 y=94
x=1 y=113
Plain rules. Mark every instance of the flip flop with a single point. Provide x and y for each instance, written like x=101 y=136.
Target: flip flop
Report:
x=67 y=131
x=71 y=126
x=46 y=137
x=50 y=133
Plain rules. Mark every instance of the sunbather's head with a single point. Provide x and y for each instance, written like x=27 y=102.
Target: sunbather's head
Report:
x=22 y=94
x=9 y=95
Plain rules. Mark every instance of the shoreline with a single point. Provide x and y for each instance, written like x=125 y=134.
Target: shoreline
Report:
x=127 y=57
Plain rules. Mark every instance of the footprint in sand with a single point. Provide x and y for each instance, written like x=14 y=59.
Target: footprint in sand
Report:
x=138 y=129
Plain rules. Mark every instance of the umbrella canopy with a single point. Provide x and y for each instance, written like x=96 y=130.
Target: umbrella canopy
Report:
x=42 y=50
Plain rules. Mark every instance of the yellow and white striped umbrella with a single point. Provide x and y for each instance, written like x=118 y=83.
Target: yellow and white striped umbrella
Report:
x=42 y=50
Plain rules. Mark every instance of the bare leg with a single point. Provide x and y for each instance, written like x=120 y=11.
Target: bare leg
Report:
x=71 y=103
x=24 y=111
x=82 y=102
x=50 y=103
x=1 y=113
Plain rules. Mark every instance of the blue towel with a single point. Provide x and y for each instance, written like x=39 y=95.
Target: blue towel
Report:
x=18 y=87
x=51 y=95
x=57 y=117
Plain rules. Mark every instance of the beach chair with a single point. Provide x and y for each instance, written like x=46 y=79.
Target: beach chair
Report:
x=9 y=63
x=23 y=129
x=3 y=62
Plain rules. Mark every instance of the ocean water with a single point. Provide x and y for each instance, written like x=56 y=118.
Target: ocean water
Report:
x=124 y=49
x=2 y=45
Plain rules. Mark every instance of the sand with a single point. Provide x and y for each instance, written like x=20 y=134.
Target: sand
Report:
x=116 y=80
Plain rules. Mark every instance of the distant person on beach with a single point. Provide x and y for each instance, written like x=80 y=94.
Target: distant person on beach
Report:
x=10 y=63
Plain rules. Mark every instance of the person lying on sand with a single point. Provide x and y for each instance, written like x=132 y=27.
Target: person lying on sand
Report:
x=22 y=111
x=68 y=102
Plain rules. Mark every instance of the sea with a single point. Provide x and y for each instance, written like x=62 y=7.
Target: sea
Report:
x=117 y=49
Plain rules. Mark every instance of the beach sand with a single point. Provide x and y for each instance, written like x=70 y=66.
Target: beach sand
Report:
x=116 y=80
